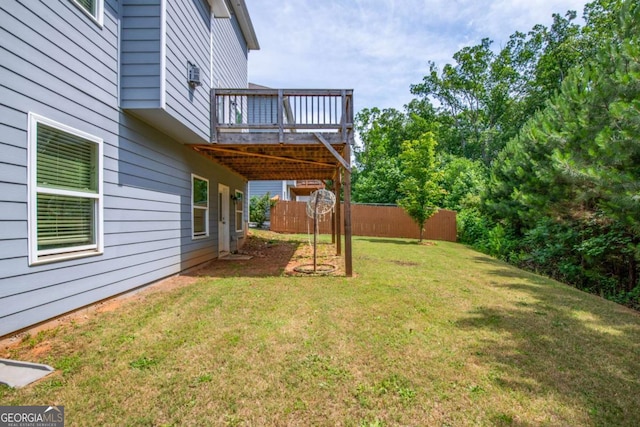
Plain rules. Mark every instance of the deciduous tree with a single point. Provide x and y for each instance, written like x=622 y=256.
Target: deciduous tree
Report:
x=421 y=193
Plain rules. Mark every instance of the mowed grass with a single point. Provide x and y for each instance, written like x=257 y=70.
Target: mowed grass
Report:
x=424 y=335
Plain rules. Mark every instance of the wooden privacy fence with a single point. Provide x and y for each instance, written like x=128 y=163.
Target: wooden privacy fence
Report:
x=366 y=220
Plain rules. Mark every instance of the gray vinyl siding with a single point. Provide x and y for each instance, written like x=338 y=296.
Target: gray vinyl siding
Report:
x=58 y=63
x=263 y=110
x=260 y=188
x=140 y=54
x=188 y=30
x=229 y=53
x=147 y=225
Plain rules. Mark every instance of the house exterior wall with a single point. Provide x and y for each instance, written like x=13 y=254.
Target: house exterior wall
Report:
x=229 y=53
x=141 y=54
x=161 y=39
x=58 y=63
x=187 y=40
x=274 y=188
x=263 y=110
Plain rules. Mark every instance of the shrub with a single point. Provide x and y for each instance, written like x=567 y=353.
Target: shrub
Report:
x=473 y=227
x=259 y=209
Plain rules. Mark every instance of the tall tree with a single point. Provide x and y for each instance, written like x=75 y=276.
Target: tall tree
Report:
x=576 y=163
x=378 y=169
x=462 y=92
x=464 y=180
x=479 y=96
x=377 y=172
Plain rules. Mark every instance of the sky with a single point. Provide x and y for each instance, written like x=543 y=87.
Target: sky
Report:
x=379 y=48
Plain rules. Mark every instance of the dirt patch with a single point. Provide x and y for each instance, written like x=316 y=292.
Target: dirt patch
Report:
x=271 y=254
x=405 y=263
x=33 y=341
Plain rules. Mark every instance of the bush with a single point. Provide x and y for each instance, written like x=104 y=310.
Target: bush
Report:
x=259 y=209
x=473 y=227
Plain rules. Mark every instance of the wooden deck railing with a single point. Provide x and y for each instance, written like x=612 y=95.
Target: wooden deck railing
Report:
x=282 y=111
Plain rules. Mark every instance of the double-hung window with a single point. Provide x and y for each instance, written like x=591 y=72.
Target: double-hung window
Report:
x=65 y=192
x=93 y=8
x=199 y=207
x=239 y=199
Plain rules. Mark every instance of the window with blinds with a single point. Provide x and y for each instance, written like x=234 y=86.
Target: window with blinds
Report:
x=65 y=222
x=65 y=171
x=65 y=161
x=199 y=206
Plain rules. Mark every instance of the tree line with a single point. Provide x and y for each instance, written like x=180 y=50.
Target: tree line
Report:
x=536 y=145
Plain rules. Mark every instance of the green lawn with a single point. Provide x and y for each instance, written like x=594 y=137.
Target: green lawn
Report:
x=424 y=335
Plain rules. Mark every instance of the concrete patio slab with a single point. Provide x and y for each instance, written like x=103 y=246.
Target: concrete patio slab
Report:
x=19 y=374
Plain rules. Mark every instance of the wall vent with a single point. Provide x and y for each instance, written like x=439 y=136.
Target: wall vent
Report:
x=194 y=75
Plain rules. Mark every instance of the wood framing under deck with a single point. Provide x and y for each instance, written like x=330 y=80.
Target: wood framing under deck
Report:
x=285 y=134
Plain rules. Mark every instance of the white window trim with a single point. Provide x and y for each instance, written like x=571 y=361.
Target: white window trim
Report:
x=99 y=18
x=195 y=236
x=241 y=228
x=60 y=254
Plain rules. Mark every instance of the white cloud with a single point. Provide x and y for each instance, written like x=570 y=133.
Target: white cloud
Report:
x=378 y=47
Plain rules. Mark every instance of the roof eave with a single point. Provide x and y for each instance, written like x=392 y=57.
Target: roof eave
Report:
x=219 y=9
x=242 y=14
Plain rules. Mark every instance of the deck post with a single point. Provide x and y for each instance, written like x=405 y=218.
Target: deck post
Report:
x=333 y=226
x=213 y=113
x=348 y=260
x=343 y=120
x=333 y=213
x=338 y=223
x=280 y=116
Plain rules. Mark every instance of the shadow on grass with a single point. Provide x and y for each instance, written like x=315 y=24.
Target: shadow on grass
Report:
x=269 y=258
x=486 y=259
x=388 y=241
x=509 y=271
x=582 y=350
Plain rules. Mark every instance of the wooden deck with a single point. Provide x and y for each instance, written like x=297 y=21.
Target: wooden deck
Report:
x=304 y=187
x=287 y=134
x=278 y=134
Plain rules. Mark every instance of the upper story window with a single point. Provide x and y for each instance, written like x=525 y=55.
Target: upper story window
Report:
x=93 y=8
x=65 y=192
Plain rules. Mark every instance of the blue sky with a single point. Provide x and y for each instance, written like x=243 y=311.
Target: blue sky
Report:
x=379 y=47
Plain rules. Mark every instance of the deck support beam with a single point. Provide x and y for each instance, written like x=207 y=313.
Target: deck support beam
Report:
x=333 y=211
x=345 y=163
x=311 y=138
x=264 y=156
x=338 y=222
x=348 y=259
